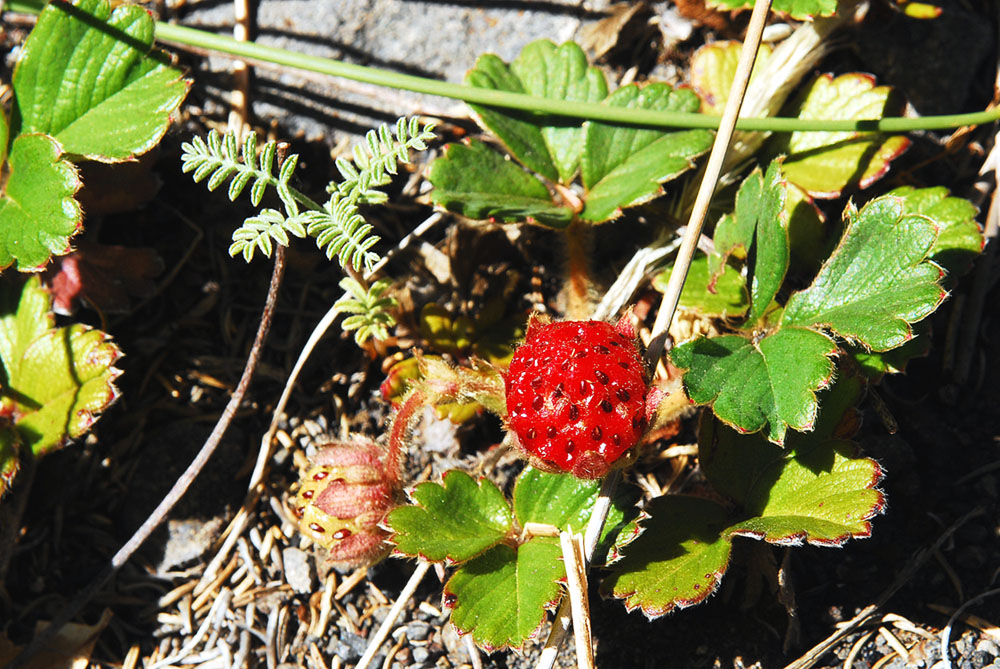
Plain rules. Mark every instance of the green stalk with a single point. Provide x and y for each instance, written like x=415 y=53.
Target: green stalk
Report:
x=251 y=51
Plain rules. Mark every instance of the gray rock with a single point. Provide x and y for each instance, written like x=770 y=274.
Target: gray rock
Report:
x=300 y=570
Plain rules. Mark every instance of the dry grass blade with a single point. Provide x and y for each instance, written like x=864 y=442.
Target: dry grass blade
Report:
x=576 y=584
x=713 y=170
x=383 y=631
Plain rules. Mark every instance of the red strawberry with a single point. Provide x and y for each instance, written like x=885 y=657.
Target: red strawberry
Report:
x=575 y=395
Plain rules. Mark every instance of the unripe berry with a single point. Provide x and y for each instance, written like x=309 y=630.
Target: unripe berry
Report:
x=343 y=498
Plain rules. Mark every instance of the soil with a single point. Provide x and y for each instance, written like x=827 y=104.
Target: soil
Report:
x=935 y=548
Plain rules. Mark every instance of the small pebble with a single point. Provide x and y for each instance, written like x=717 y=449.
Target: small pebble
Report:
x=988 y=646
x=300 y=570
x=420 y=654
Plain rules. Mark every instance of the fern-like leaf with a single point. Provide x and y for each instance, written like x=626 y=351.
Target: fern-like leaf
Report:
x=341 y=230
x=258 y=232
x=369 y=309
x=221 y=158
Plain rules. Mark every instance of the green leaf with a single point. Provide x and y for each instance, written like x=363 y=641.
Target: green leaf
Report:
x=456 y=520
x=759 y=228
x=877 y=281
x=677 y=561
x=38 y=214
x=876 y=364
x=623 y=166
x=734 y=464
x=85 y=77
x=4 y=136
x=10 y=445
x=565 y=501
x=479 y=183
x=57 y=380
x=520 y=132
x=751 y=384
x=713 y=68
x=960 y=238
x=825 y=163
x=823 y=494
x=729 y=299
x=797 y=9
x=560 y=73
x=500 y=597
x=806 y=232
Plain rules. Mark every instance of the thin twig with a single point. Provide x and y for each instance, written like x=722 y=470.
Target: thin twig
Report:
x=713 y=171
x=383 y=631
x=180 y=486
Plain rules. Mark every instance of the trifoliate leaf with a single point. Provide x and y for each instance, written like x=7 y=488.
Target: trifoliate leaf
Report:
x=877 y=281
x=38 y=214
x=58 y=380
x=624 y=166
x=713 y=68
x=518 y=131
x=501 y=596
x=960 y=238
x=760 y=224
x=729 y=299
x=752 y=384
x=559 y=73
x=797 y=9
x=825 y=163
x=479 y=183
x=10 y=446
x=677 y=561
x=87 y=78
x=455 y=520
x=565 y=501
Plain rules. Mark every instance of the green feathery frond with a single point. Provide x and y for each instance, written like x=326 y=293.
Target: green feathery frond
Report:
x=338 y=226
x=257 y=232
x=340 y=229
x=221 y=158
x=369 y=309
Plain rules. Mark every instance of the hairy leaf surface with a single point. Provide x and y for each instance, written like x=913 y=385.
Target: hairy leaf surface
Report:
x=38 y=213
x=960 y=238
x=677 y=561
x=500 y=597
x=454 y=520
x=751 y=385
x=624 y=166
x=877 y=282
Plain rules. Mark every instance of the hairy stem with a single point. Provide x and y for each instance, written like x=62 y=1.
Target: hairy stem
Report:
x=43 y=639
x=397 y=435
